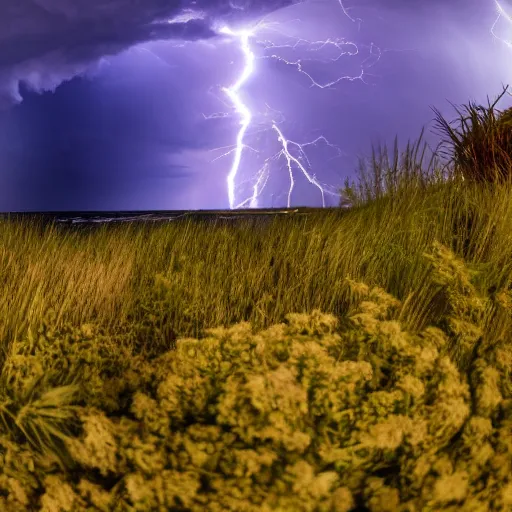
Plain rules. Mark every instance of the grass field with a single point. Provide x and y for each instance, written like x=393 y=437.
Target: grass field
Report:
x=218 y=273
x=343 y=360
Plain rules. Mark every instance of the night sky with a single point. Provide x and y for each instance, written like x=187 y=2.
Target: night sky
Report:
x=118 y=104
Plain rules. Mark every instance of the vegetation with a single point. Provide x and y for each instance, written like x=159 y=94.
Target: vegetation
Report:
x=353 y=359
x=418 y=166
x=480 y=146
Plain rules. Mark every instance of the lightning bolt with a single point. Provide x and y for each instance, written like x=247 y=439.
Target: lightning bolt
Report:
x=242 y=109
x=292 y=160
x=346 y=13
x=501 y=14
x=293 y=153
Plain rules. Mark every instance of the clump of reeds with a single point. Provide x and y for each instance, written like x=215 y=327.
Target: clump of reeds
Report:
x=386 y=175
x=479 y=141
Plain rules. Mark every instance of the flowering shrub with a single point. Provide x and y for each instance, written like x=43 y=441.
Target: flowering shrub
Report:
x=308 y=415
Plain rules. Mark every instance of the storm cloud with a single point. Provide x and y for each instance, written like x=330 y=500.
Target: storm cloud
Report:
x=139 y=120
x=46 y=42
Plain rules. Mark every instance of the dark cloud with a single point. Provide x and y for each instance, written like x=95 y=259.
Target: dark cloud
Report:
x=46 y=42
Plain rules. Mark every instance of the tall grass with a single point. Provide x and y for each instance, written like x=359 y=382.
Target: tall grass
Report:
x=201 y=274
x=385 y=175
x=185 y=276
x=479 y=141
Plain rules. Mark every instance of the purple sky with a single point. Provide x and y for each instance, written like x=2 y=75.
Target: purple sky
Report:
x=104 y=105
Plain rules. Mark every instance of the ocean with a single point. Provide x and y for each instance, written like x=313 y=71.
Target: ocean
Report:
x=116 y=217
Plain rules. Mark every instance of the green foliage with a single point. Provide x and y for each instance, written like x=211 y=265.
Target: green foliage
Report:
x=312 y=414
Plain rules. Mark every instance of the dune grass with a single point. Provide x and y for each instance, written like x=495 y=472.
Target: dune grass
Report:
x=479 y=141
x=384 y=174
x=207 y=274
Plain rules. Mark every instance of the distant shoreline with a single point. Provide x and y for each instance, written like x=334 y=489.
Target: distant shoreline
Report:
x=101 y=217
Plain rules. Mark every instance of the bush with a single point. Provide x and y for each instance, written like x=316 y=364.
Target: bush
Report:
x=307 y=415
